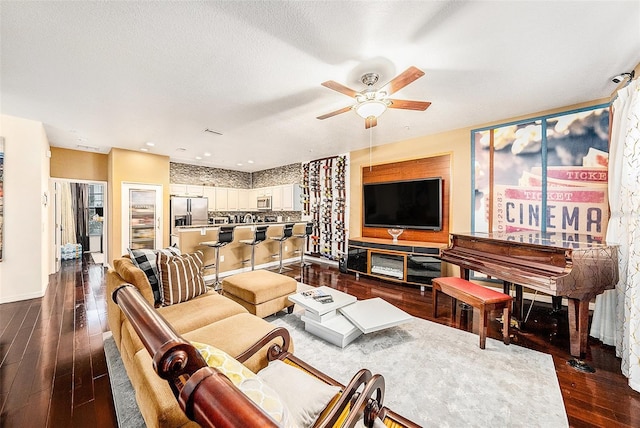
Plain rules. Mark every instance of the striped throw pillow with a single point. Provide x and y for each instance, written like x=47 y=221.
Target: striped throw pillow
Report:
x=147 y=261
x=181 y=277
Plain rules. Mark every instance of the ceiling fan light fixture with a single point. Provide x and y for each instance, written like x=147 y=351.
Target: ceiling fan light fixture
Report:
x=370 y=108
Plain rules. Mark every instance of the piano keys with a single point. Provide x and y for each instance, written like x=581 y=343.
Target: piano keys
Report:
x=574 y=266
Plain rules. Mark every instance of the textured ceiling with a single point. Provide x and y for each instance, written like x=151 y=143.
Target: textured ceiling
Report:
x=120 y=74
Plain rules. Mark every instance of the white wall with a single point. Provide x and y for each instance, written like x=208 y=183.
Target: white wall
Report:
x=25 y=265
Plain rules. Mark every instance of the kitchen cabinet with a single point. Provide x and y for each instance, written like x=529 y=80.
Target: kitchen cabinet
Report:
x=209 y=192
x=265 y=191
x=276 y=199
x=178 y=189
x=253 y=199
x=221 y=199
x=243 y=200
x=291 y=197
x=192 y=190
x=195 y=190
x=232 y=199
x=286 y=198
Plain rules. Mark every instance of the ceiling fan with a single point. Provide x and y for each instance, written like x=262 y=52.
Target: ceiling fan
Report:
x=372 y=102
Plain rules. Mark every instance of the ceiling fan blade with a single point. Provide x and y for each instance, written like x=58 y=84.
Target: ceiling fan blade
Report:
x=403 y=79
x=370 y=122
x=340 y=88
x=334 y=113
x=409 y=105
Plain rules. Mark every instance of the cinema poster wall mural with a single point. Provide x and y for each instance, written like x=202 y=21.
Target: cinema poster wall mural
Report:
x=547 y=174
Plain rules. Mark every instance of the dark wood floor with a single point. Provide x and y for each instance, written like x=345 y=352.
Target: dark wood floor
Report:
x=52 y=365
x=53 y=370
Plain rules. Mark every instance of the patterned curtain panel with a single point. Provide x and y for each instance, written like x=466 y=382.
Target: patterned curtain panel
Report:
x=68 y=216
x=616 y=318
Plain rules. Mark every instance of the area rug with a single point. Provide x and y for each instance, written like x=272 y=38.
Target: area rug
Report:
x=124 y=397
x=435 y=375
x=438 y=376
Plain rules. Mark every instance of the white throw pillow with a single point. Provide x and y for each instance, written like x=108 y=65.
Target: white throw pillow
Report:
x=246 y=381
x=304 y=396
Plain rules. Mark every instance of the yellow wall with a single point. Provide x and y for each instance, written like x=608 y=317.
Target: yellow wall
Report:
x=127 y=166
x=456 y=142
x=78 y=165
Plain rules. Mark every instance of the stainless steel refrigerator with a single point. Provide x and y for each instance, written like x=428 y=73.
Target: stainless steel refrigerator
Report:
x=189 y=212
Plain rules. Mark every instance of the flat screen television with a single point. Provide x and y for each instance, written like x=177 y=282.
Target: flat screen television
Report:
x=412 y=204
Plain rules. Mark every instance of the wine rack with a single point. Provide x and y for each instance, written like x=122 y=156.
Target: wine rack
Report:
x=324 y=199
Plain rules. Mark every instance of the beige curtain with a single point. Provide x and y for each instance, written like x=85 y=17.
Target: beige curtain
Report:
x=68 y=216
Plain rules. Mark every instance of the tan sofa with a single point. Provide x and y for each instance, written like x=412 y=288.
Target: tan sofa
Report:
x=210 y=318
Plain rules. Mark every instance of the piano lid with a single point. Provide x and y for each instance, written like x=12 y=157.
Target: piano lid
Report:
x=560 y=240
x=552 y=263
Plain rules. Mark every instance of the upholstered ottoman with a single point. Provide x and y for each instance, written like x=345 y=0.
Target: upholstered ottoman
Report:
x=261 y=292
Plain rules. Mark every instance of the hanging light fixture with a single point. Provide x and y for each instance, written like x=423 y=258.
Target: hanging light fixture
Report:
x=371 y=103
x=370 y=108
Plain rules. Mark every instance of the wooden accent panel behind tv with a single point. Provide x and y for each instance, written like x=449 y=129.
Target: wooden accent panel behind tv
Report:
x=436 y=166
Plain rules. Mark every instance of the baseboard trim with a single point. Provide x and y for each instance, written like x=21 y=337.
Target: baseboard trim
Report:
x=20 y=297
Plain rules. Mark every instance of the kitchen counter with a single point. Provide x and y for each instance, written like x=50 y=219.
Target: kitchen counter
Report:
x=234 y=256
x=181 y=229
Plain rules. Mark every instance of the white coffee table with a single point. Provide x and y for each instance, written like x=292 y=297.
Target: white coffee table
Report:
x=345 y=319
x=374 y=314
x=323 y=311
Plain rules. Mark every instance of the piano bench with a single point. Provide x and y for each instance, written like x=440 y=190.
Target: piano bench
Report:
x=482 y=298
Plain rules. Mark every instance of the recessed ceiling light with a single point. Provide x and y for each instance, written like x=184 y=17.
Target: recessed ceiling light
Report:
x=250 y=161
x=239 y=164
x=207 y=154
x=144 y=149
x=150 y=143
x=198 y=157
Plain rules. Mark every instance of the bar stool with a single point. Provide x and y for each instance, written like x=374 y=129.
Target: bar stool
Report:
x=308 y=230
x=259 y=235
x=225 y=236
x=287 y=232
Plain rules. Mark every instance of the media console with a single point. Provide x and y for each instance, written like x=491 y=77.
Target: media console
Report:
x=411 y=262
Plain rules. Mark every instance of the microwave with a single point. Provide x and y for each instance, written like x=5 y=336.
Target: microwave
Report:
x=264 y=202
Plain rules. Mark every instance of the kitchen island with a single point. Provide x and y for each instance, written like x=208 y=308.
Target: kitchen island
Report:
x=235 y=256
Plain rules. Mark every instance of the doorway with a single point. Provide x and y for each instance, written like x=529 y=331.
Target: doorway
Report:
x=79 y=220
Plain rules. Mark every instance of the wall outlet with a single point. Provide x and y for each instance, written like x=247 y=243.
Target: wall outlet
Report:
x=221 y=259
